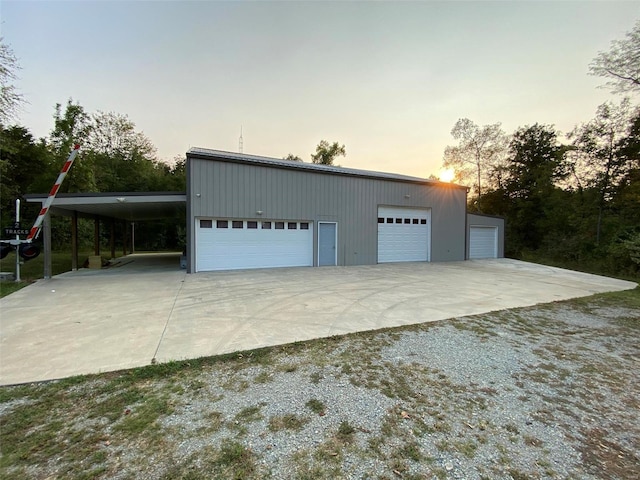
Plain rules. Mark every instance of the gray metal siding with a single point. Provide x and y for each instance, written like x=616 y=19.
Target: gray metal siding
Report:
x=236 y=190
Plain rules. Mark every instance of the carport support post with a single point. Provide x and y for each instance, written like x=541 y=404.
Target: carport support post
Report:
x=46 y=227
x=96 y=236
x=74 y=241
x=112 y=239
x=124 y=238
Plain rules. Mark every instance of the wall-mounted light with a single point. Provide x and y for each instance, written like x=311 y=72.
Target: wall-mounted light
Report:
x=259 y=212
x=121 y=199
x=197 y=194
x=407 y=196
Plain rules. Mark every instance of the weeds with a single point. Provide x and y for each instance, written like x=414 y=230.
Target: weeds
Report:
x=288 y=421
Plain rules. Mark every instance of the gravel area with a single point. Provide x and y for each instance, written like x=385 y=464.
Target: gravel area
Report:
x=551 y=391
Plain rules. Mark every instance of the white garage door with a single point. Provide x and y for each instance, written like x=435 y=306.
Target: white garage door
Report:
x=483 y=242
x=223 y=244
x=403 y=234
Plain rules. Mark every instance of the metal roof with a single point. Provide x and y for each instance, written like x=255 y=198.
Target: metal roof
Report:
x=209 y=154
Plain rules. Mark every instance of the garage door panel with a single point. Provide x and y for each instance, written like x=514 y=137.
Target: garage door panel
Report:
x=483 y=242
x=235 y=248
x=403 y=234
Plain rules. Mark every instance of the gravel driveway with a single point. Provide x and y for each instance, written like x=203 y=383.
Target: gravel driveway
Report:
x=551 y=391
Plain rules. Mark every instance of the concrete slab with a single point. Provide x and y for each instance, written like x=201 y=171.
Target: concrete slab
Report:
x=148 y=308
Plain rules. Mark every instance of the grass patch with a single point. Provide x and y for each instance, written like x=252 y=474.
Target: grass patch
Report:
x=7 y=287
x=34 y=269
x=316 y=406
x=231 y=460
x=345 y=431
x=288 y=421
x=249 y=414
x=411 y=451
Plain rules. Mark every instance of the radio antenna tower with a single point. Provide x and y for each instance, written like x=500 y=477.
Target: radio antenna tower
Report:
x=240 y=141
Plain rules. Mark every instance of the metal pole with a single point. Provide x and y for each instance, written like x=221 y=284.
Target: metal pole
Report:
x=46 y=228
x=17 y=238
x=133 y=237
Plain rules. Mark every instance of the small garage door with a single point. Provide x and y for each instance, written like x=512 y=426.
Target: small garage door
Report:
x=226 y=244
x=403 y=234
x=483 y=242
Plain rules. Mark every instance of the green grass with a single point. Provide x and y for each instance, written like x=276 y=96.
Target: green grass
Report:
x=316 y=406
x=596 y=266
x=34 y=269
x=288 y=421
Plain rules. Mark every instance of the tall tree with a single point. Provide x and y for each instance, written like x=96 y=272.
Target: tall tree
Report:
x=10 y=98
x=71 y=126
x=479 y=152
x=533 y=166
x=534 y=161
x=23 y=168
x=327 y=152
x=621 y=64
x=292 y=158
x=123 y=159
x=598 y=161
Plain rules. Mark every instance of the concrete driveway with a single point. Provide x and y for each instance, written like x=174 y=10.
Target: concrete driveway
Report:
x=97 y=321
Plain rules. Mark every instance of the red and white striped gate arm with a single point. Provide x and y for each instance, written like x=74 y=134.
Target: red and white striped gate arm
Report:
x=35 y=230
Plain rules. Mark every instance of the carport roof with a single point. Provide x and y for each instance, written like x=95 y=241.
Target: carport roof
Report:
x=131 y=206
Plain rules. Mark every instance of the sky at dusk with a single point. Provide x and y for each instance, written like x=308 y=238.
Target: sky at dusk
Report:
x=388 y=80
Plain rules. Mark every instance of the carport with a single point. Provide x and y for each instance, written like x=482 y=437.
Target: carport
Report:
x=126 y=207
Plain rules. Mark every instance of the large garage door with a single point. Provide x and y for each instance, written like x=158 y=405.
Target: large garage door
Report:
x=483 y=242
x=403 y=234
x=223 y=244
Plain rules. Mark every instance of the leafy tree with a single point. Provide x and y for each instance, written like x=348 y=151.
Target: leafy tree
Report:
x=534 y=163
x=326 y=152
x=122 y=158
x=598 y=161
x=114 y=134
x=621 y=64
x=533 y=167
x=23 y=166
x=479 y=153
x=627 y=199
x=70 y=127
x=10 y=98
x=292 y=158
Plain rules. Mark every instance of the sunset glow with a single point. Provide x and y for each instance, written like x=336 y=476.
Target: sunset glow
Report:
x=447 y=175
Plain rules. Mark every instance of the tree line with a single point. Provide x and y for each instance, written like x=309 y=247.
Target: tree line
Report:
x=115 y=157
x=574 y=202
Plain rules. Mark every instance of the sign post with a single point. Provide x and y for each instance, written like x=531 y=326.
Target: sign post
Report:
x=18 y=239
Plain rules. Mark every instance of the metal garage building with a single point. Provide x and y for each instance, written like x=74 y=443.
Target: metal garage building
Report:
x=245 y=211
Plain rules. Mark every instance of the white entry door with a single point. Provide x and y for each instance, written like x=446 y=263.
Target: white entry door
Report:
x=404 y=234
